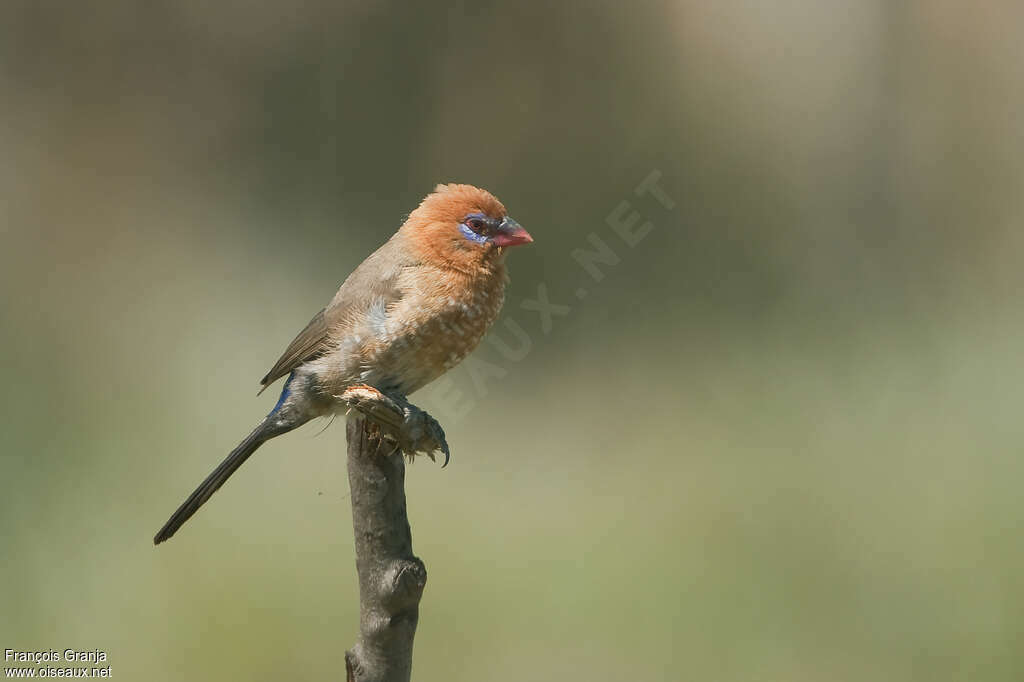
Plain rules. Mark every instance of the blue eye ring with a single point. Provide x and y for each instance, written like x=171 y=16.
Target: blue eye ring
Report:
x=475 y=227
x=472 y=236
x=478 y=222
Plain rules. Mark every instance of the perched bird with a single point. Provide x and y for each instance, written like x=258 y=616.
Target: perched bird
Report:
x=413 y=309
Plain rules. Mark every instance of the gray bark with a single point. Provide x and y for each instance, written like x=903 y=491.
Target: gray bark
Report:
x=391 y=578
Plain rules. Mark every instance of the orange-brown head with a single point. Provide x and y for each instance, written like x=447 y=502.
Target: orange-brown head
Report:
x=463 y=227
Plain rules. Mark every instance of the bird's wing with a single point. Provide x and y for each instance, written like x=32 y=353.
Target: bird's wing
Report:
x=373 y=282
x=309 y=344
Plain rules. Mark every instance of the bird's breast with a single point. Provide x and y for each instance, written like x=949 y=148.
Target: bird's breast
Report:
x=423 y=335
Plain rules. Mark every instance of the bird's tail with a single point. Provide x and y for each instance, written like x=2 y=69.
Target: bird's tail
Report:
x=266 y=430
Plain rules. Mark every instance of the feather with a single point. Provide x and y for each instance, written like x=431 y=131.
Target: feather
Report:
x=308 y=345
x=374 y=282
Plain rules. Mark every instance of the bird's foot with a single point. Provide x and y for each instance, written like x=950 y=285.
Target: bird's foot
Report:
x=415 y=431
x=425 y=434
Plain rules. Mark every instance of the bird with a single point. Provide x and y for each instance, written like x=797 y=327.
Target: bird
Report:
x=410 y=311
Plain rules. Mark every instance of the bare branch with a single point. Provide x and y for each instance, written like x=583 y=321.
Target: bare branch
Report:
x=391 y=578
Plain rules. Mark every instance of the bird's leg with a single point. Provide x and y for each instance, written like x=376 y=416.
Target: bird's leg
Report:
x=414 y=430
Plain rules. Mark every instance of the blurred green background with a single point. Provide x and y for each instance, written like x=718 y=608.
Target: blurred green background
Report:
x=780 y=440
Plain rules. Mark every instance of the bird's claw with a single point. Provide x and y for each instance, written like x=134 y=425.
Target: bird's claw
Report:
x=437 y=434
x=414 y=430
x=425 y=434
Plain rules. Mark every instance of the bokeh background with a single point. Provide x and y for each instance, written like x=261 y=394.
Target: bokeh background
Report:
x=779 y=440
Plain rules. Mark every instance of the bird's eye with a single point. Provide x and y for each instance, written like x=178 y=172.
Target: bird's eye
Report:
x=475 y=224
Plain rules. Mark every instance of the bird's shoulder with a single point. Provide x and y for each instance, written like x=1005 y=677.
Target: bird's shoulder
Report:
x=382 y=279
x=377 y=279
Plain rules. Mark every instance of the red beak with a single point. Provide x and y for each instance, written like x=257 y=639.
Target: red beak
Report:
x=510 y=233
